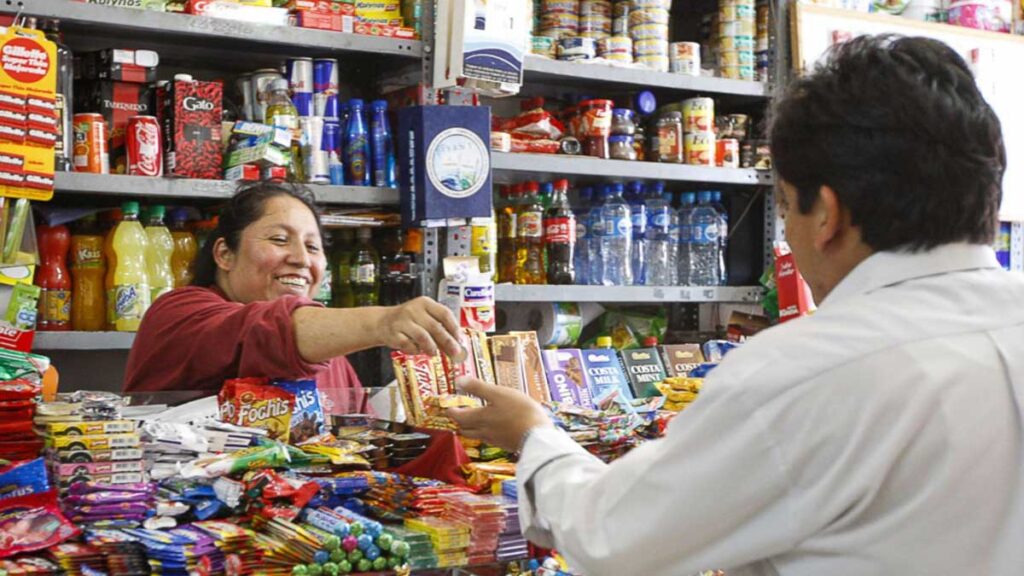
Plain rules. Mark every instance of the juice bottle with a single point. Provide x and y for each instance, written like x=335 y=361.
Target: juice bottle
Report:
x=88 y=271
x=530 y=238
x=341 y=260
x=131 y=293
x=282 y=112
x=364 y=269
x=111 y=219
x=159 y=249
x=53 y=279
x=507 y=228
x=185 y=248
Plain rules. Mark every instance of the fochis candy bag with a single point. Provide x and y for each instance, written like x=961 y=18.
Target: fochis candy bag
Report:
x=253 y=402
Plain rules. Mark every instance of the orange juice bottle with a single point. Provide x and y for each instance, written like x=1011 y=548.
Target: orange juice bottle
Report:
x=185 y=248
x=159 y=249
x=131 y=294
x=88 y=269
x=111 y=220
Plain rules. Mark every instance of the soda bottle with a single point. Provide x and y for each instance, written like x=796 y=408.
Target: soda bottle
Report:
x=341 y=261
x=723 y=232
x=705 y=247
x=560 y=236
x=483 y=244
x=507 y=229
x=398 y=281
x=365 y=268
x=111 y=219
x=660 y=261
x=581 y=254
x=131 y=294
x=53 y=278
x=281 y=112
x=88 y=272
x=159 y=251
x=185 y=248
x=357 y=146
x=616 y=239
x=381 y=145
x=595 y=227
x=638 y=212
x=530 y=238
x=687 y=202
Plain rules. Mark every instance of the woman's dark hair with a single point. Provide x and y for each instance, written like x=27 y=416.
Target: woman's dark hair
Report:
x=897 y=127
x=246 y=207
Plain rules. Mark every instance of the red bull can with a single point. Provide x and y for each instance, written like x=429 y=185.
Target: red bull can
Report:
x=331 y=144
x=325 y=76
x=325 y=105
x=299 y=72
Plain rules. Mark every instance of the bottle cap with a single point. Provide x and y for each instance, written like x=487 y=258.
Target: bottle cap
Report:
x=379 y=105
x=356 y=103
x=704 y=197
x=646 y=103
x=186 y=78
x=157 y=212
x=130 y=207
x=650 y=341
x=278 y=84
x=604 y=341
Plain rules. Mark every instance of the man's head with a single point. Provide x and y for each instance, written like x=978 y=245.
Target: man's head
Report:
x=888 y=145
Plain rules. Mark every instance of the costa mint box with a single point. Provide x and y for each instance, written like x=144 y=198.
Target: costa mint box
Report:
x=567 y=380
x=644 y=369
x=605 y=372
x=444 y=157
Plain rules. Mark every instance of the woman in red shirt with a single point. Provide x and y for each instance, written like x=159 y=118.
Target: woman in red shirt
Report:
x=249 y=312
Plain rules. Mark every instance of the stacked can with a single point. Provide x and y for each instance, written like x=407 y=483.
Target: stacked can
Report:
x=299 y=72
x=698 y=131
x=761 y=41
x=684 y=58
x=736 y=39
x=323 y=160
x=259 y=89
x=616 y=49
x=648 y=27
x=620 y=17
x=559 y=18
x=595 y=19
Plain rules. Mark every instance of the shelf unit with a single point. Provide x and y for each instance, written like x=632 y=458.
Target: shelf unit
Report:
x=83 y=341
x=557 y=166
x=143 y=186
x=629 y=294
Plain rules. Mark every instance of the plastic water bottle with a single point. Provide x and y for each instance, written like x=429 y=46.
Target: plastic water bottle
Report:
x=706 y=248
x=581 y=254
x=616 y=240
x=723 y=232
x=638 y=212
x=659 y=245
x=687 y=202
x=673 y=239
x=595 y=274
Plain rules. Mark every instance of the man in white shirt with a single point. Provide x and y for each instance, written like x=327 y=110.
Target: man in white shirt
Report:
x=883 y=434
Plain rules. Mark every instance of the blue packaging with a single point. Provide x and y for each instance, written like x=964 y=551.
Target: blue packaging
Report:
x=308 y=414
x=604 y=372
x=331 y=143
x=715 y=350
x=357 y=146
x=23 y=479
x=381 y=146
x=445 y=158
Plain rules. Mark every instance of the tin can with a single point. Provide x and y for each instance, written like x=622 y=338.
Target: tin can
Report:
x=728 y=155
x=261 y=80
x=314 y=155
x=595 y=27
x=300 y=82
x=640 y=32
x=577 y=48
x=736 y=43
x=737 y=72
x=747 y=154
x=325 y=76
x=544 y=46
x=325 y=105
x=684 y=58
x=650 y=47
x=659 y=63
x=89 y=151
x=596 y=8
x=548 y=6
x=762 y=155
x=739 y=124
x=652 y=4
x=244 y=85
x=332 y=145
x=615 y=45
x=698 y=115
x=648 y=16
x=143 y=146
x=699 y=148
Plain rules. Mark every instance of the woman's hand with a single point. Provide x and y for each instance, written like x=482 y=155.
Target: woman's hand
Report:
x=421 y=326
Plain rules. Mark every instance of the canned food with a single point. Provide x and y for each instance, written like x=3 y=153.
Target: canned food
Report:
x=544 y=46
x=620 y=26
x=737 y=28
x=762 y=155
x=615 y=45
x=750 y=3
x=699 y=148
x=569 y=6
x=649 y=4
x=733 y=12
x=684 y=58
x=261 y=80
x=728 y=153
x=738 y=125
x=698 y=115
x=736 y=43
x=556 y=33
x=649 y=32
x=577 y=49
x=601 y=24
x=143 y=146
x=659 y=63
x=89 y=150
x=650 y=48
x=648 y=16
x=559 y=24
x=619 y=57
x=736 y=58
x=747 y=155
x=596 y=8
x=737 y=72
x=621 y=8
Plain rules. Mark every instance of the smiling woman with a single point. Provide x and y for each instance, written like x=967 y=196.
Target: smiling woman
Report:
x=250 y=313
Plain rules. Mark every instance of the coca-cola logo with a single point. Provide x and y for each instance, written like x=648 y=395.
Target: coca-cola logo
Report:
x=193 y=104
x=147 y=139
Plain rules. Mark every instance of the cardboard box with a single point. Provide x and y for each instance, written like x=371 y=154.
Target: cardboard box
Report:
x=679 y=359
x=604 y=373
x=138 y=66
x=117 y=102
x=507 y=352
x=399 y=32
x=533 y=367
x=320 y=21
x=644 y=369
x=190 y=117
x=322 y=7
x=567 y=378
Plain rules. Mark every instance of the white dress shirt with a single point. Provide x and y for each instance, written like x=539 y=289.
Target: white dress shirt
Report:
x=882 y=435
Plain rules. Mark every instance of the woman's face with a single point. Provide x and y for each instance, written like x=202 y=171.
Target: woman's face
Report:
x=281 y=253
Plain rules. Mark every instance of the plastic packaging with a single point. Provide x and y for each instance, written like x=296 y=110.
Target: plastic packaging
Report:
x=159 y=250
x=130 y=296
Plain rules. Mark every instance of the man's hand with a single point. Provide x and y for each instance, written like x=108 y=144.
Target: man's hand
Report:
x=506 y=418
x=421 y=326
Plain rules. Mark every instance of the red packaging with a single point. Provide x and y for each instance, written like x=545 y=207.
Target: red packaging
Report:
x=254 y=402
x=322 y=7
x=19 y=390
x=117 y=101
x=191 y=120
x=145 y=157
x=385 y=31
x=32 y=522
x=795 y=298
x=324 y=21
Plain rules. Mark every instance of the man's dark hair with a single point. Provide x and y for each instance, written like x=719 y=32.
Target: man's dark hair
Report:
x=897 y=127
x=246 y=207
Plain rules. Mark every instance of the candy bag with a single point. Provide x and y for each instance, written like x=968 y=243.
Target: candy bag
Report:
x=253 y=402
x=23 y=479
x=308 y=414
x=32 y=522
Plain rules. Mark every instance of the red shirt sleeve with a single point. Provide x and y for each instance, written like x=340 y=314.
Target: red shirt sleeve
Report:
x=193 y=339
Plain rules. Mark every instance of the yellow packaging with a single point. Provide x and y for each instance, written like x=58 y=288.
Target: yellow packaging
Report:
x=95 y=442
x=90 y=428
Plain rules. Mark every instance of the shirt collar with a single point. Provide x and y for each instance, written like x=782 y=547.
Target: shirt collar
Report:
x=883 y=269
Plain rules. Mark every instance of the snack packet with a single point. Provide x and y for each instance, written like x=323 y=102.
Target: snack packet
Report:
x=32 y=522
x=253 y=402
x=23 y=478
x=308 y=414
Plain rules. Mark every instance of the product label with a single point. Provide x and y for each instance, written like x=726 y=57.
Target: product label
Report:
x=639 y=217
x=87 y=257
x=559 y=230
x=130 y=301
x=581 y=229
x=660 y=220
x=705 y=233
x=356 y=153
x=364 y=274
x=531 y=225
x=482 y=240
x=618 y=227
x=458 y=163
x=56 y=306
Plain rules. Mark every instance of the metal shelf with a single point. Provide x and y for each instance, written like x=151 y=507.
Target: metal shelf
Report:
x=556 y=165
x=186 y=29
x=83 y=341
x=630 y=294
x=538 y=69
x=121 y=185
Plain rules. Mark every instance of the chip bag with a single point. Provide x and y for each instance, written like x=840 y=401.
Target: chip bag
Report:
x=307 y=420
x=32 y=522
x=253 y=402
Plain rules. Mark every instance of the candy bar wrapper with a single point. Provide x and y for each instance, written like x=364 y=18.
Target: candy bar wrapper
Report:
x=422 y=378
x=23 y=479
x=96 y=442
x=143 y=489
x=254 y=403
x=444 y=384
x=508 y=362
x=481 y=355
x=104 y=497
x=90 y=428
x=533 y=369
x=398 y=365
x=567 y=380
x=120 y=508
x=308 y=416
x=681 y=358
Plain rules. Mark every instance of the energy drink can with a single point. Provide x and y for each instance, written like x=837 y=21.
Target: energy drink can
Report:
x=300 y=83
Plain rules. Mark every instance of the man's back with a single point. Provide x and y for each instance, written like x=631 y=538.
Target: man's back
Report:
x=894 y=411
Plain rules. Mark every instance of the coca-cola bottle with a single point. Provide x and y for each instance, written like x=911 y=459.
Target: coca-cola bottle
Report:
x=560 y=236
